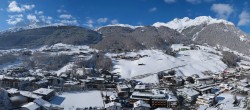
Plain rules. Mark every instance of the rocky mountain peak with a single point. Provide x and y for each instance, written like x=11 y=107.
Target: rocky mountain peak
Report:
x=184 y=23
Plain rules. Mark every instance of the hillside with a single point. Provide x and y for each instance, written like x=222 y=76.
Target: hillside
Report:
x=32 y=38
x=147 y=37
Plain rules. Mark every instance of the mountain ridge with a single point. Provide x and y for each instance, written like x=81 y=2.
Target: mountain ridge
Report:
x=200 y=30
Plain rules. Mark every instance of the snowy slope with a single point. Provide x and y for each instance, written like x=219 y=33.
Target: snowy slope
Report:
x=70 y=100
x=120 y=25
x=187 y=62
x=181 y=24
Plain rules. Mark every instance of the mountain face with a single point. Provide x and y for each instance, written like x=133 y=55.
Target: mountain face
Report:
x=33 y=38
x=127 y=38
x=214 y=32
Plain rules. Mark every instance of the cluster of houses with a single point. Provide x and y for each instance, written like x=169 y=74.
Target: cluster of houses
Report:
x=29 y=91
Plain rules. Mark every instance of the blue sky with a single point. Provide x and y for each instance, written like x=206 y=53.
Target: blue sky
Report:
x=95 y=13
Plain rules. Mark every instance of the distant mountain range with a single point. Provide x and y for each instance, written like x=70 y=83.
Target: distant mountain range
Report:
x=201 y=30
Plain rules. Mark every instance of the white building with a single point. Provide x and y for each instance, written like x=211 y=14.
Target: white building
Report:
x=113 y=106
x=141 y=105
x=189 y=94
x=206 y=99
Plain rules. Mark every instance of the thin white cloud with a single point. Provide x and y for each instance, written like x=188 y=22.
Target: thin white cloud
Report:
x=65 y=16
x=152 y=9
x=90 y=23
x=61 y=11
x=14 y=19
x=15 y=7
x=244 y=18
x=46 y=19
x=222 y=10
x=194 y=1
x=199 y=1
x=170 y=1
x=28 y=7
x=32 y=18
x=114 y=21
x=102 y=20
x=38 y=12
x=69 y=22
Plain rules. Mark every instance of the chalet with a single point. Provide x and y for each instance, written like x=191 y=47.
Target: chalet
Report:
x=19 y=83
x=189 y=94
x=156 y=98
x=203 y=89
x=206 y=99
x=95 y=82
x=141 y=87
x=123 y=90
x=141 y=105
x=226 y=87
x=169 y=80
x=179 y=81
x=204 y=80
x=73 y=86
x=113 y=106
x=55 y=81
x=43 y=83
x=46 y=94
x=109 y=96
x=31 y=96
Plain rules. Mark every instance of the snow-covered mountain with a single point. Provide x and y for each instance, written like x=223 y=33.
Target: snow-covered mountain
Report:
x=184 y=23
x=200 y=30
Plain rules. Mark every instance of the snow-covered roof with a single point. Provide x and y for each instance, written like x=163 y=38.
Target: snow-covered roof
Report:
x=189 y=91
x=71 y=82
x=31 y=106
x=204 y=78
x=121 y=87
x=84 y=99
x=12 y=91
x=42 y=102
x=207 y=96
x=141 y=103
x=109 y=93
x=30 y=94
x=140 y=87
x=43 y=91
x=148 y=94
x=19 y=78
x=171 y=98
x=112 y=97
x=42 y=81
x=112 y=104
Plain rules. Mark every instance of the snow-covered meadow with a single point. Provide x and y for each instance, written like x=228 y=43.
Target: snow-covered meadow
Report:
x=186 y=63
